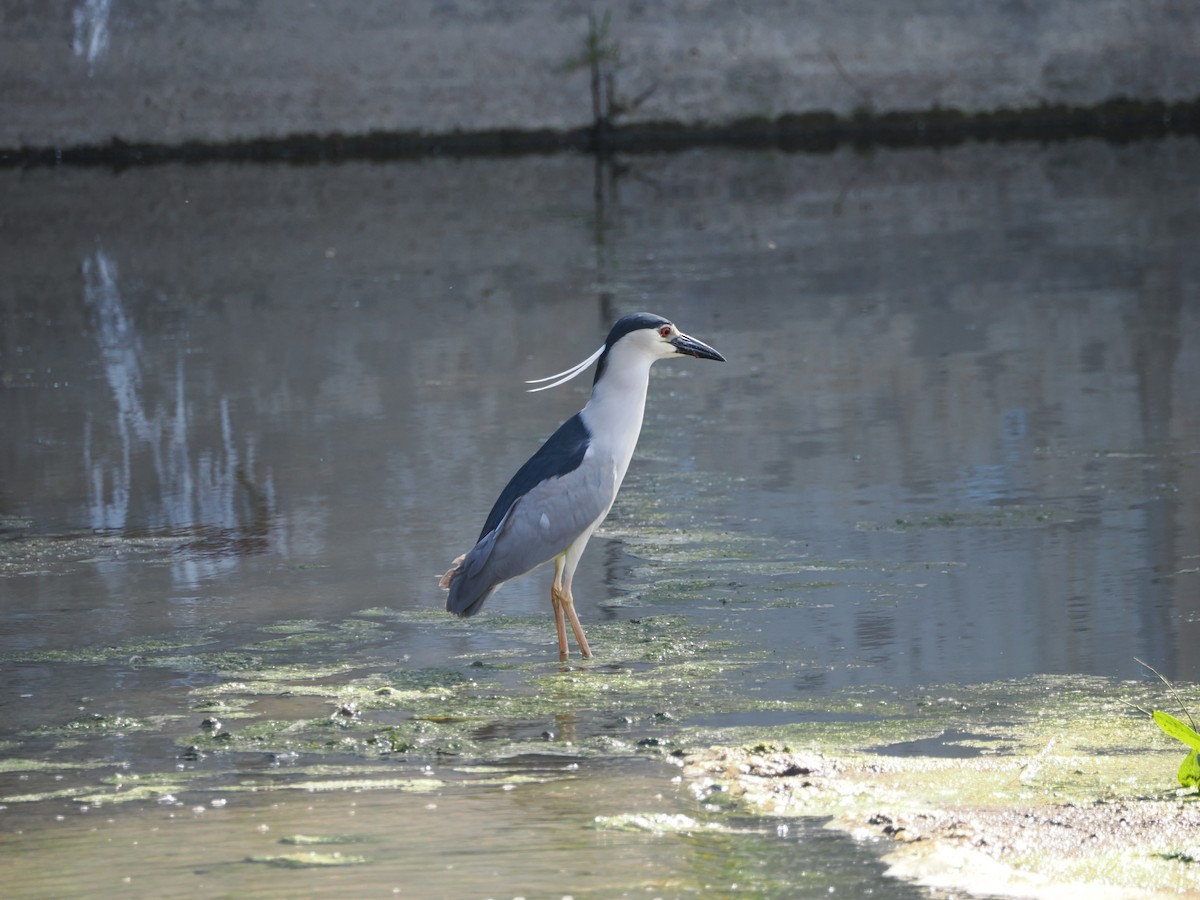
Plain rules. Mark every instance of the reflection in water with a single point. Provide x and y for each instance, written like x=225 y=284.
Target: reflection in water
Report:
x=149 y=479
x=119 y=353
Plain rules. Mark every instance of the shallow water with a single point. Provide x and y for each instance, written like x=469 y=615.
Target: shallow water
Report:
x=251 y=413
x=616 y=830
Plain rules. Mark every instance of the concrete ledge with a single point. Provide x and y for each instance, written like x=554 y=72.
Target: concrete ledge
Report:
x=80 y=73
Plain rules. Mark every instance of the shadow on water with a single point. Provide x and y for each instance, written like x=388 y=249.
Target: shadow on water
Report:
x=251 y=415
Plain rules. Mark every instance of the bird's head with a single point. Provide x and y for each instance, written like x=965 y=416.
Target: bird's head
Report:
x=639 y=337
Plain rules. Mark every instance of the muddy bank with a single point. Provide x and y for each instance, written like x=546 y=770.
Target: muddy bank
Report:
x=1086 y=812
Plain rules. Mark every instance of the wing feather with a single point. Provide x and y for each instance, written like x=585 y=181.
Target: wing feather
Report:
x=537 y=527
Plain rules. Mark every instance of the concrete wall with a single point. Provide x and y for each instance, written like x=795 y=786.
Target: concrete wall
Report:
x=85 y=71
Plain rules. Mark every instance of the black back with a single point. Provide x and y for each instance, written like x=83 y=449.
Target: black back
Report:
x=562 y=453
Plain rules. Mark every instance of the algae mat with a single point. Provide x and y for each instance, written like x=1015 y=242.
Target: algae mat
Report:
x=1029 y=787
x=1043 y=788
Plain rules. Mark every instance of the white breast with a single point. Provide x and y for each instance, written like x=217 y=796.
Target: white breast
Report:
x=614 y=417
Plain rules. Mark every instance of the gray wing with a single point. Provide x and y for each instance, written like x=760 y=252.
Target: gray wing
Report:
x=539 y=526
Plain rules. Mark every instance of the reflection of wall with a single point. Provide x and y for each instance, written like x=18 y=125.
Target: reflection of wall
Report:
x=89 y=70
x=147 y=470
x=908 y=333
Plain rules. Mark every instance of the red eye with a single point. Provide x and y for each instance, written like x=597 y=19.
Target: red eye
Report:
x=665 y=331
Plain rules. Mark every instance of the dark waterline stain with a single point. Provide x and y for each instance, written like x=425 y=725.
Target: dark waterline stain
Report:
x=1119 y=120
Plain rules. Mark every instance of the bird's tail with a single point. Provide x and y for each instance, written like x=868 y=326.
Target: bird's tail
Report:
x=470 y=580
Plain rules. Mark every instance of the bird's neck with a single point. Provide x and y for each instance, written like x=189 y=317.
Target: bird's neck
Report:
x=614 y=413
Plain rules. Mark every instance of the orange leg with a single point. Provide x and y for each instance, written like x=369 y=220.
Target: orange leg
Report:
x=569 y=602
x=564 y=604
x=557 y=600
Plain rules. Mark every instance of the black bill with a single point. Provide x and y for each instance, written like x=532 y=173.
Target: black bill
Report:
x=693 y=347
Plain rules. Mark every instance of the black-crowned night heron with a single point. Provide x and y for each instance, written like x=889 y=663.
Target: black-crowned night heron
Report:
x=558 y=498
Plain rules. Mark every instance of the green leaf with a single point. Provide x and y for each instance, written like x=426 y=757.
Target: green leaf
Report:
x=1189 y=770
x=1177 y=729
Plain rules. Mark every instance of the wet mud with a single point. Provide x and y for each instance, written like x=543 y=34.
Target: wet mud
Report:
x=1059 y=787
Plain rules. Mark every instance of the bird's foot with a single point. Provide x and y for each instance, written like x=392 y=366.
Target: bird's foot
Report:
x=446 y=580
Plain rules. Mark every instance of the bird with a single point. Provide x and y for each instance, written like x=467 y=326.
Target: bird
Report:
x=557 y=499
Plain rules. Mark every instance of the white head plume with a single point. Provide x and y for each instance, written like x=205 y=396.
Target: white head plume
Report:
x=565 y=375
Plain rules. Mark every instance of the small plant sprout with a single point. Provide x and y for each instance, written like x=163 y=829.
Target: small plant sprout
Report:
x=1184 y=732
x=601 y=56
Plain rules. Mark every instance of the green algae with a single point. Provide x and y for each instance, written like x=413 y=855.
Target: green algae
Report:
x=660 y=689
x=1004 y=718
x=294 y=626
x=42 y=796
x=275 y=680
x=998 y=517
x=124 y=788
x=115 y=788
x=683 y=688
x=1063 y=745
x=25 y=554
x=419 y=615
x=130 y=794
x=423 y=680
x=309 y=840
x=307 y=860
x=656 y=823
x=665 y=668
x=140 y=652
x=227 y=706
x=15 y=764
x=660 y=674
x=310 y=633
x=408 y=785
x=1039 y=740
x=100 y=725
x=658 y=639
x=340 y=734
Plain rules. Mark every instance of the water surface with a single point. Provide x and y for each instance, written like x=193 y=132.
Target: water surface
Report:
x=250 y=414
